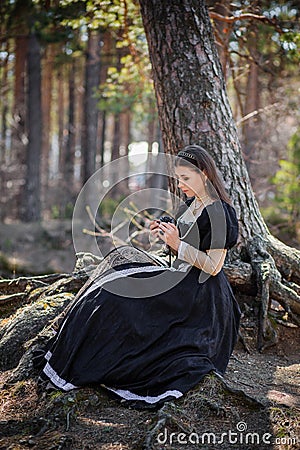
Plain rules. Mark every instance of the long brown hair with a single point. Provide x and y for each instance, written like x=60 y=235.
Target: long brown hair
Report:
x=202 y=161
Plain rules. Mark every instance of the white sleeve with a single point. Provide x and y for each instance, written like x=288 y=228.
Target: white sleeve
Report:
x=181 y=250
x=211 y=261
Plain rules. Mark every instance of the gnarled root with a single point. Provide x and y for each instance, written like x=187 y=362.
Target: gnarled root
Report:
x=271 y=285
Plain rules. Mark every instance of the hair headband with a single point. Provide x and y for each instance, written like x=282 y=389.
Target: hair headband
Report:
x=186 y=155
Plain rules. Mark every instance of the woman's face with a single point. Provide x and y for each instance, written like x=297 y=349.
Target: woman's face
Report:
x=190 y=182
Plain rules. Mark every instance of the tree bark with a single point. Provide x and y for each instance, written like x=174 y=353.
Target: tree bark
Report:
x=92 y=80
x=107 y=44
x=4 y=109
x=18 y=140
x=193 y=108
x=47 y=82
x=70 y=144
x=222 y=31
x=31 y=206
x=115 y=190
x=4 y=126
x=251 y=128
x=102 y=137
x=60 y=117
x=125 y=138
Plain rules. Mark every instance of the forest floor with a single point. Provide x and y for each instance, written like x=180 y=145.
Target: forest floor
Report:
x=258 y=409
x=36 y=248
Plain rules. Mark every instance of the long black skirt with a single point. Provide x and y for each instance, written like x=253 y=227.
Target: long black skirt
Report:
x=149 y=347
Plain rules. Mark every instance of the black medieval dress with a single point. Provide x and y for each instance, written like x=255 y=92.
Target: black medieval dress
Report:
x=147 y=332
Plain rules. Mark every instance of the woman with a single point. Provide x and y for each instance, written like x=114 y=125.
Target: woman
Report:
x=146 y=332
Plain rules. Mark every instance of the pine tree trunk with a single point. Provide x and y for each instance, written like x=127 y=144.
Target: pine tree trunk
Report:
x=92 y=80
x=102 y=126
x=222 y=31
x=19 y=108
x=251 y=127
x=70 y=143
x=60 y=116
x=31 y=205
x=115 y=154
x=80 y=95
x=106 y=62
x=152 y=133
x=193 y=108
x=47 y=82
x=125 y=138
x=4 y=109
x=3 y=132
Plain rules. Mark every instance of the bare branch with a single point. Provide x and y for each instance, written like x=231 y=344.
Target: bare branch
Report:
x=246 y=16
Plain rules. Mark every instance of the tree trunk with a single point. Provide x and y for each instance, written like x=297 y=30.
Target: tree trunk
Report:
x=18 y=139
x=193 y=108
x=115 y=190
x=125 y=138
x=68 y=175
x=107 y=44
x=102 y=137
x=115 y=152
x=222 y=31
x=251 y=127
x=47 y=82
x=80 y=95
x=92 y=80
x=60 y=116
x=4 y=89
x=31 y=205
x=152 y=129
x=3 y=141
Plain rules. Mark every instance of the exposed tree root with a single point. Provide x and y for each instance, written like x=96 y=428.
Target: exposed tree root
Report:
x=287 y=259
x=244 y=343
x=271 y=285
x=162 y=418
x=22 y=284
x=241 y=276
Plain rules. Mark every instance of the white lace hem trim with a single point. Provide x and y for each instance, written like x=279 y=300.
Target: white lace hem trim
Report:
x=56 y=379
x=127 y=395
x=48 y=355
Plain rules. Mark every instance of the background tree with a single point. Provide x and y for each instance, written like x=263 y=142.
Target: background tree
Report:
x=92 y=80
x=31 y=207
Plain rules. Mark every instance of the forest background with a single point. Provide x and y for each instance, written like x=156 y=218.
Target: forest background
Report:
x=77 y=92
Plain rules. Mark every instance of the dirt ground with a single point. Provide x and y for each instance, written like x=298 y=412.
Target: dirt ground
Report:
x=36 y=248
x=257 y=408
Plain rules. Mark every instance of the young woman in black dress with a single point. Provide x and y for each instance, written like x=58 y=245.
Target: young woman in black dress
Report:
x=146 y=332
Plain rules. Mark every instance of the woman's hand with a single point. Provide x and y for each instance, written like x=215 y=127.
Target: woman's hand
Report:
x=170 y=235
x=154 y=228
